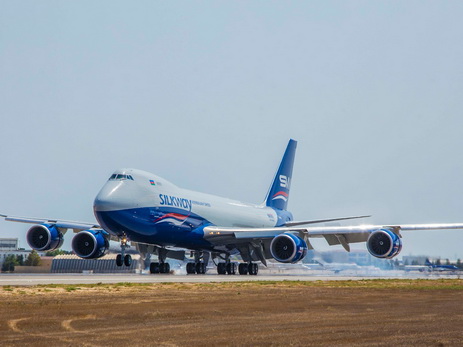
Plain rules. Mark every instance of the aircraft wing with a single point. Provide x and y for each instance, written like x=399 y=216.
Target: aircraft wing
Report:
x=65 y=224
x=334 y=235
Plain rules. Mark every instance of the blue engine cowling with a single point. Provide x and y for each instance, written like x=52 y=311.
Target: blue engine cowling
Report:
x=288 y=248
x=90 y=244
x=383 y=243
x=44 y=237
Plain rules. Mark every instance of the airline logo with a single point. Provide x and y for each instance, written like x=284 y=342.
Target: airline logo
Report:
x=173 y=218
x=280 y=195
x=169 y=200
x=284 y=181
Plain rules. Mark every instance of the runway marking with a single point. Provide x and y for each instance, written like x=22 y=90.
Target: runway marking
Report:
x=66 y=324
x=13 y=324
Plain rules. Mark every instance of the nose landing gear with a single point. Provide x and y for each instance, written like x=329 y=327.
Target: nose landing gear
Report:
x=122 y=258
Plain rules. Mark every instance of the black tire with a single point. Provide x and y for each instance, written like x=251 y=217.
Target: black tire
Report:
x=253 y=269
x=231 y=268
x=190 y=268
x=119 y=261
x=243 y=269
x=200 y=268
x=165 y=268
x=221 y=268
x=154 y=268
x=128 y=260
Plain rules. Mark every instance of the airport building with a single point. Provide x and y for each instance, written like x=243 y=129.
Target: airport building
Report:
x=10 y=246
x=359 y=257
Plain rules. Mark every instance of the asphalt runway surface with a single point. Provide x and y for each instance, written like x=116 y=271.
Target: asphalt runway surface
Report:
x=40 y=279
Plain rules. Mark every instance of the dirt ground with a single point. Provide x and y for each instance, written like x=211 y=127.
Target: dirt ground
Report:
x=351 y=313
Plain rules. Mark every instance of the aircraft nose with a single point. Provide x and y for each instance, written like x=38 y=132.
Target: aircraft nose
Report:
x=112 y=197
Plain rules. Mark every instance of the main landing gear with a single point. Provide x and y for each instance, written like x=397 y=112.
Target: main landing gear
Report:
x=200 y=264
x=161 y=266
x=248 y=268
x=243 y=268
x=122 y=258
x=156 y=268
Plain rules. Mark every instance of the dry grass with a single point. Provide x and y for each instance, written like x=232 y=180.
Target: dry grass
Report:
x=350 y=313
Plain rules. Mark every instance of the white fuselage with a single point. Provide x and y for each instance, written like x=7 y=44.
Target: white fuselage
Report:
x=144 y=193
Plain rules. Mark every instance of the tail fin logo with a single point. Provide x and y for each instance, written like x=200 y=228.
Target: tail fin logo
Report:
x=284 y=181
x=280 y=195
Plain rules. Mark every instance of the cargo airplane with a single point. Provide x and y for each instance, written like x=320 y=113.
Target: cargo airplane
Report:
x=161 y=218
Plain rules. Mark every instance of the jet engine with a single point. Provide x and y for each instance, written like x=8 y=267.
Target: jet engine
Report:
x=384 y=243
x=44 y=237
x=288 y=248
x=90 y=244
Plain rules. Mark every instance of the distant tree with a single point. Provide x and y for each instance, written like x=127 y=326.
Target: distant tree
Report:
x=406 y=262
x=20 y=259
x=415 y=262
x=459 y=264
x=9 y=263
x=57 y=252
x=438 y=262
x=33 y=259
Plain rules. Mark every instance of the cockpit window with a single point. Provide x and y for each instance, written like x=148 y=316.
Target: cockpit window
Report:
x=120 y=177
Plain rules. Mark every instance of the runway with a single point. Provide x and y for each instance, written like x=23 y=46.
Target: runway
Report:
x=44 y=279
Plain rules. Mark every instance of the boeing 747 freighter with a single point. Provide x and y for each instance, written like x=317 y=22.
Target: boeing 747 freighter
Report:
x=161 y=218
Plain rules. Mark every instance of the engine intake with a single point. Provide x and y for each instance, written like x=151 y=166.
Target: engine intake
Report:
x=288 y=248
x=384 y=243
x=44 y=237
x=90 y=244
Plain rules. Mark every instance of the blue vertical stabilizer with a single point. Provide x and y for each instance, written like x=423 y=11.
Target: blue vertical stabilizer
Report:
x=278 y=194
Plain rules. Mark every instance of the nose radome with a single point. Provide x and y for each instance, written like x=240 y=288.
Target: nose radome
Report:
x=113 y=196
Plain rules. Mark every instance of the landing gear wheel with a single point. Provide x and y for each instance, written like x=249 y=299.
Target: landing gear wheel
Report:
x=154 y=268
x=128 y=260
x=164 y=268
x=222 y=268
x=231 y=268
x=253 y=269
x=119 y=260
x=243 y=269
x=190 y=268
x=200 y=268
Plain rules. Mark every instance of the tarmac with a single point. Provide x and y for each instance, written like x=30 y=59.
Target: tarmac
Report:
x=89 y=278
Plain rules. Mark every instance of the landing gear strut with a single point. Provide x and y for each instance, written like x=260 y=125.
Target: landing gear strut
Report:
x=122 y=258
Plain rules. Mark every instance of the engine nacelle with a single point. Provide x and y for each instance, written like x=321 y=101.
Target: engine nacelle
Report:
x=90 y=244
x=44 y=237
x=384 y=243
x=288 y=248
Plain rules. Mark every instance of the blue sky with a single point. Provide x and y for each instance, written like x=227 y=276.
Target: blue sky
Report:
x=207 y=94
